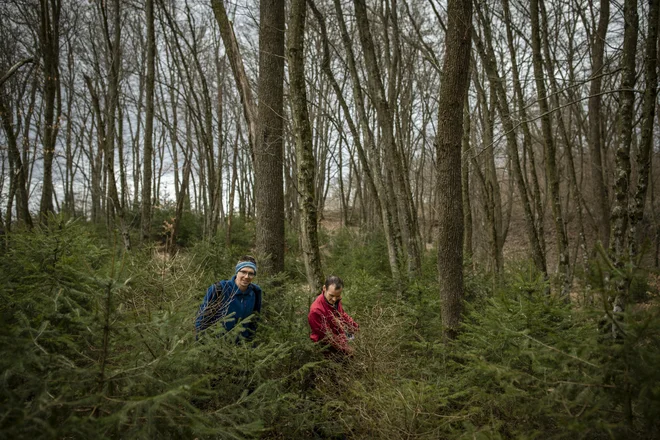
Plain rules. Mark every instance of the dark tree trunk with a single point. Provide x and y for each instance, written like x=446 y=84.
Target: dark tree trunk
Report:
x=453 y=91
x=597 y=162
x=648 y=119
x=268 y=157
x=465 y=183
x=18 y=179
x=622 y=181
x=149 y=123
x=49 y=39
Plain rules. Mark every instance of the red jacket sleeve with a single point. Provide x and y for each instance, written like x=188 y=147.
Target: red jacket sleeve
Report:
x=318 y=325
x=349 y=322
x=328 y=329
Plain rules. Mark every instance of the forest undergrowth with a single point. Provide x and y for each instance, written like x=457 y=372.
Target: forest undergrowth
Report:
x=99 y=343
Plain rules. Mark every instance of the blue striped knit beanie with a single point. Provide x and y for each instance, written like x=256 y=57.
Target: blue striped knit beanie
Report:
x=249 y=264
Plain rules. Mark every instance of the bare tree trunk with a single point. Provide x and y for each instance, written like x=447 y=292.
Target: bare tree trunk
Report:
x=96 y=161
x=268 y=157
x=242 y=83
x=184 y=191
x=452 y=96
x=384 y=191
x=487 y=55
x=304 y=148
x=18 y=178
x=601 y=209
x=326 y=66
x=147 y=172
x=69 y=202
x=111 y=108
x=550 y=150
x=465 y=183
x=622 y=181
x=392 y=158
x=264 y=124
x=527 y=139
x=49 y=38
x=490 y=187
x=232 y=187
x=123 y=184
x=648 y=118
x=574 y=187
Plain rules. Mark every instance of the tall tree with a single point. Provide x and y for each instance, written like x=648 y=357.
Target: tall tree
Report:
x=486 y=52
x=304 y=148
x=238 y=69
x=265 y=124
x=648 y=119
x=384 y=190
x=49 y=43
x=149 y=123
x=268 y=154
x=622 y=181
x=552 y=175
x=18 y=182
x=453 y=91
x=597 y=161
x=113 y=44
x=382 y=101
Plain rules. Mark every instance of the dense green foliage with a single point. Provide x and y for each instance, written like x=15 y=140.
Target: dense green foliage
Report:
x=98 y=343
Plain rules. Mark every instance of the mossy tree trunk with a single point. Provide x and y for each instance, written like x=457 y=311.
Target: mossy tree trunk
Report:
x=304 y=148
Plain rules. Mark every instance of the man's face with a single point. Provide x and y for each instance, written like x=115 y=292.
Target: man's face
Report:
x=244 y=277
x=332 y=294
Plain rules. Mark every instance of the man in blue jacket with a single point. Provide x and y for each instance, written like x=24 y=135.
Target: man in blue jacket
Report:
x=234 y=299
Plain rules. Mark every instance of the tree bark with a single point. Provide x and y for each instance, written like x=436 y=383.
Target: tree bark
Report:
x=112 y=101
x=304 y=148
x=147 y=156
x=453 y=91
x=552 y=174
x=597 y=162
x=236 y=61
x=622 y=181
x=18 y=178
x=648 y=116
x=269 y=155
x=465 y=183
x=49 y=40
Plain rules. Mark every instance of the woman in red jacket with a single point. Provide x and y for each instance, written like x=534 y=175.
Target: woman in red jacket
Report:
x=329 y=323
